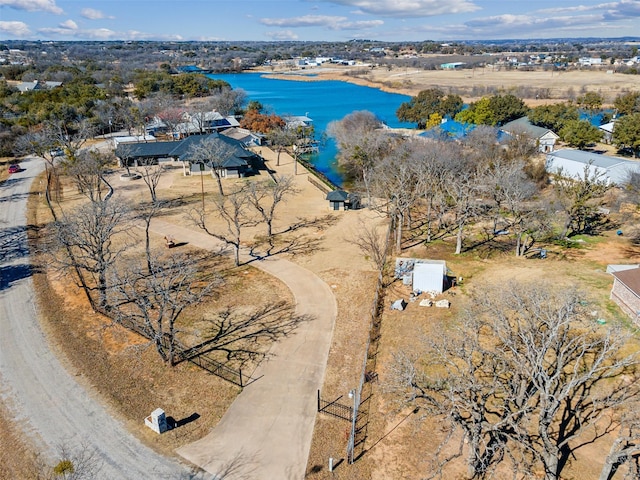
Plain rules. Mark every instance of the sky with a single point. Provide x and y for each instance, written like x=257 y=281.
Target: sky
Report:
x=316 y=20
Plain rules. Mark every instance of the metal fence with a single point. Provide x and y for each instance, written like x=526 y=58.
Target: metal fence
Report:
x=192 y=355
x=335 y=409
x=359 y=419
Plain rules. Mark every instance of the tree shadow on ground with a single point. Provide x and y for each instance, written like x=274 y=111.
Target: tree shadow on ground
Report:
x=246 y=337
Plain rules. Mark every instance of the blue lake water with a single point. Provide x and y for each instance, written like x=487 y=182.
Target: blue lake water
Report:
x=322 y=101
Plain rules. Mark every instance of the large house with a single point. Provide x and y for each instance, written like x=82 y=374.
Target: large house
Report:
x=572 y=163
x=238 y=161
x=545 y=139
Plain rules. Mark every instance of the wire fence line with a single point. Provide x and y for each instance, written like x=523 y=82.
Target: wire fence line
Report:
x=359 y=420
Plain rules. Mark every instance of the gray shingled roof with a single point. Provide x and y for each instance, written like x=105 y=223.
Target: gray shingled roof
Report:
x=337 y=196
x=181 y=149
x=523 y=124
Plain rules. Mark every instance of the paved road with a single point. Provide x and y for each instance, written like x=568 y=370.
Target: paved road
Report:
x=34 y=383
x=267 y=431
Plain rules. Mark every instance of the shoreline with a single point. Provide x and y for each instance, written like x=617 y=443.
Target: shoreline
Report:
x=533 y=87
x=321 y=76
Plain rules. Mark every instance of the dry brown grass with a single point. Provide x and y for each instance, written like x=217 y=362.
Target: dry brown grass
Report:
x=122 y=368
x=18 y=458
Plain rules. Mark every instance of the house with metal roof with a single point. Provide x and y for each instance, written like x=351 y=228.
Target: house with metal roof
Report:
x=238 y=161
x=572 y=163
x=545 y=139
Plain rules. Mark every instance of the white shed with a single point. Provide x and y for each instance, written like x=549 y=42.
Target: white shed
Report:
x=429 y=275
x=573 y=162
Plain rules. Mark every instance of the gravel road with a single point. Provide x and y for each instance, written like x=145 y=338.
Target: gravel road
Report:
x=44 y=397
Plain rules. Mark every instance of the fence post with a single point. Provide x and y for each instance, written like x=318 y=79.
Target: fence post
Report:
x=318 y=399
x=241 y=380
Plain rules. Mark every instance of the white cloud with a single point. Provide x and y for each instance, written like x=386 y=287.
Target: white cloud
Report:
x=361 y=25
x=33 y=5
x=93 y=14
x=15 y=29
x=531 y=25
x=304 y=21
x=70 y=29
x=409 y=8
x=69 y=24
x=330 y=22
x=623 y=9
x=282 y=35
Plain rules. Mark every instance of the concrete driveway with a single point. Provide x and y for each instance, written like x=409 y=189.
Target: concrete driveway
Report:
x=267 y=431
x=44 y=397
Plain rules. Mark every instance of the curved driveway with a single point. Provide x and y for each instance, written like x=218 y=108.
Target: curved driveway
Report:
x=36 y=387
x=267 y=431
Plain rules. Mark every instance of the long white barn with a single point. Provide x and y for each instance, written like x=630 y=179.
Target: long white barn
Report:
x=572 y=163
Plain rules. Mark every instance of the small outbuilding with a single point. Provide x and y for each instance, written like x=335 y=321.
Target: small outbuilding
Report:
x=341 y=200
x=429 y=276
x=423 y=275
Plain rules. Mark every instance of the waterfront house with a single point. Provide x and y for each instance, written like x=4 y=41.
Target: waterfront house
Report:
x=544 y=138
x=237 y=163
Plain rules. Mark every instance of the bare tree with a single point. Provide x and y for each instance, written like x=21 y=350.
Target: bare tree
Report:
x=146 y=212
x=87 y=171
x=228 y=101
x=281 y=139
x=44 y=145
x=361 y=143
x=394 y=179
x=371 y=243
x=71 y=138
x=527 y=375
x=88 y=237
x=513 y=194
x=234 y=211
x=432 y=168
x=625 y=449
x=215 y=152
x=580 y=199
x=462 y=187
x=77 y=463
x=267 y=195
x=151 y=174
x=153 y=300
x=203 y=112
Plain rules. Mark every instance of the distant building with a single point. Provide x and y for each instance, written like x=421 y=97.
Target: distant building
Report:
x=452 y=65
x=36 y=85
x=589 y=61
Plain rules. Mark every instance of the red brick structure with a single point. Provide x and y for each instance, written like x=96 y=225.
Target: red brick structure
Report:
x=626 y=292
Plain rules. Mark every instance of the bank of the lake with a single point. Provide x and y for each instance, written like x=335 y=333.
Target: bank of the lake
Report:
x=323 y=101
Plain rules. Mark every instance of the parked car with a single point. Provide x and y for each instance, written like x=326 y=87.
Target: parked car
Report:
x=15 y=168
x=57 y=152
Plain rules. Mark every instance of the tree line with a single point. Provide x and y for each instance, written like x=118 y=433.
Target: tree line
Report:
x=431 y=106
x=525 y=377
